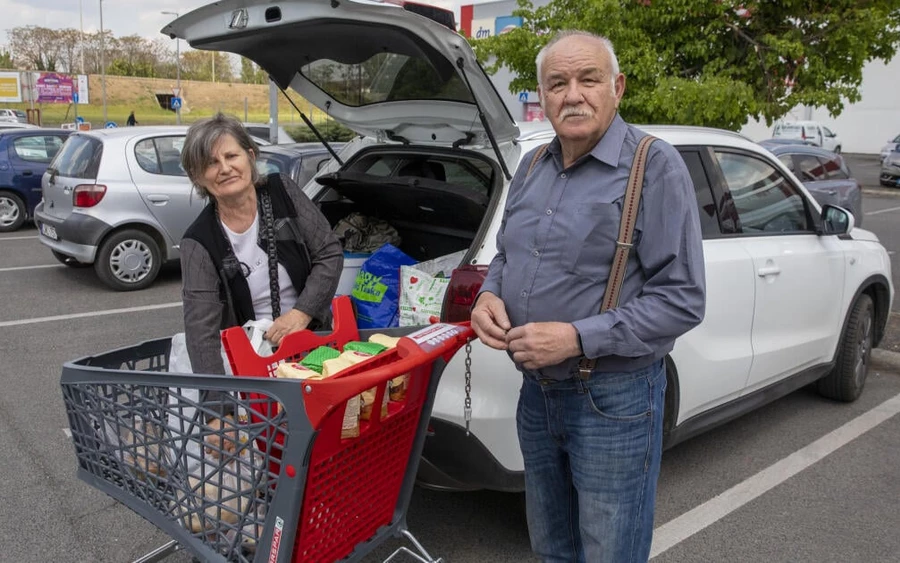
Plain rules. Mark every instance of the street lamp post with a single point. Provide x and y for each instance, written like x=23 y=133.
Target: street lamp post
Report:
x=103 y=64
x=177 y=71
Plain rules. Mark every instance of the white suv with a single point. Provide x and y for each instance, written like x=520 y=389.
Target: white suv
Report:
x=810 y=132
x=796 y=294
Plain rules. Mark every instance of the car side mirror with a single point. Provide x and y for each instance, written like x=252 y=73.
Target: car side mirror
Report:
x=836 y=220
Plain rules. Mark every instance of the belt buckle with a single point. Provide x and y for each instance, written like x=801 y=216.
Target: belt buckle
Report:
x=585 y=368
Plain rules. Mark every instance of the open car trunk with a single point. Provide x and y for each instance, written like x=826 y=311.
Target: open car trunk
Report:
x=435 y=198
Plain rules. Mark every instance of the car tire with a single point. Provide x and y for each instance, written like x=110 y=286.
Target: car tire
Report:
x=12 y=212
x=837 y=150
x=128 y=260
x=68 y=260
x=847 y=379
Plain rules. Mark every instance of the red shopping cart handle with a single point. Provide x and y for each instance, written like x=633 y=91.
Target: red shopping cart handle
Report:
x=322 y=396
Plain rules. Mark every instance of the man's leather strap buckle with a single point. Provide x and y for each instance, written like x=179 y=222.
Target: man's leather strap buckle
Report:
x=621 y=244
x=586 y=367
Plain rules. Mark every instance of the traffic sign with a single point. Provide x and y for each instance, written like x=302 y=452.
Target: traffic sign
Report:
x=176 y=103
x=79 y=119
x=176 y=92
x=110 y=125
x=523 y=97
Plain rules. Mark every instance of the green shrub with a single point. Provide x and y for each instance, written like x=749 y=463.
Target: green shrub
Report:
x=330 y=130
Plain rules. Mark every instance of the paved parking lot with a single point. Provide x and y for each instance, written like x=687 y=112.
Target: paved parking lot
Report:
x=803 y=479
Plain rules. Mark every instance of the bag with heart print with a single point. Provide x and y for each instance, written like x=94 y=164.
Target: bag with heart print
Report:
x=422 y=288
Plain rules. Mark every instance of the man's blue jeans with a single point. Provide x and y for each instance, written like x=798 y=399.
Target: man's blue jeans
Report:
x=592 y=451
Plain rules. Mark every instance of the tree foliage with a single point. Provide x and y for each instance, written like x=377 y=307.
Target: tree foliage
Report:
x=715 y=62
x=251 y=73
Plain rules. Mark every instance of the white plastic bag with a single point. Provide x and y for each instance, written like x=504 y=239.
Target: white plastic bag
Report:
x=422 y=288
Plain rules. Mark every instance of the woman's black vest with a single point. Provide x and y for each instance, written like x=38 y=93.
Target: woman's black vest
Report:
x=291 y=248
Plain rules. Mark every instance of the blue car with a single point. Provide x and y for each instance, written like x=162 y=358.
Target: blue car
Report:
x=24 y=156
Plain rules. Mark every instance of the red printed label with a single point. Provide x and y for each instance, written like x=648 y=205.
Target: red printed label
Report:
x=276 y=539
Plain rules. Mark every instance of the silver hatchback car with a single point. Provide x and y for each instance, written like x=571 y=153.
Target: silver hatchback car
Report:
x=118 y=199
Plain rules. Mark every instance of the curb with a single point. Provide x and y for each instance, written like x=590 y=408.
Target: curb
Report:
x=881 y=192
x=886 y=360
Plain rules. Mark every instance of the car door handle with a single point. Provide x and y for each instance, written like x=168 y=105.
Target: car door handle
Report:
x=768 y=271
x=27 y=173
x=158 y=199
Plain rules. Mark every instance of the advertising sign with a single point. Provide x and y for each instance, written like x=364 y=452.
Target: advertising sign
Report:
x=482 y=29
x=53 y=88
x=506 y=23
x=83 y=97
x=10 y=90
x=532 y=111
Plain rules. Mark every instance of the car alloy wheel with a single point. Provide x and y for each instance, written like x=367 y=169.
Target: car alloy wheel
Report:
x=12 y=212
x=847 y=379
x=128 y=260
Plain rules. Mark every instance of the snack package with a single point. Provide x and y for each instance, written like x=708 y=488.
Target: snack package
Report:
x=370 y=348
x=317 y=357
x=398 y=384
x=329 y=367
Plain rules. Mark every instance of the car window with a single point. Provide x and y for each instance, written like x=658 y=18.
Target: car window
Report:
x=37 y=148
x=827 y=131
x=309 y=165
x=160 y=155
x=709 y=218
x=764 y=200
x=79 y=158
x=788 y=160
x=833 y=169
x=810 y=168
x=266 y=166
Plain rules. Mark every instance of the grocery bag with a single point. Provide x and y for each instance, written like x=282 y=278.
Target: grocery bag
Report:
x=422 y=288
x=376 y=293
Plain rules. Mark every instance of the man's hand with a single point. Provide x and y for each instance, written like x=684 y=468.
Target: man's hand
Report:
x=292 y=321
x=538 y=345
x=489 y=320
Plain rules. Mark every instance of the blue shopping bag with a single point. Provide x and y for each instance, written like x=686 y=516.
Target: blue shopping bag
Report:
x=376 y=293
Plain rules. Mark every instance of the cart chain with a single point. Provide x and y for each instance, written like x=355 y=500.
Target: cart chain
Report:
x=468 y=405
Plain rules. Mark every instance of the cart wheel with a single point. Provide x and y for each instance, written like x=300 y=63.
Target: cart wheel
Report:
x=128 y=260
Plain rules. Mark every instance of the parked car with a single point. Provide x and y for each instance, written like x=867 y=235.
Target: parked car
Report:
x=812 y=131
x=825 y=174
x=786 y=141
x=119 y=200
x=25 y=154
x=891 y=146
x=298 y=161
x=17 y=125
x=890 y=170
x=262 y=134
x=796 y=293
x=13 y=115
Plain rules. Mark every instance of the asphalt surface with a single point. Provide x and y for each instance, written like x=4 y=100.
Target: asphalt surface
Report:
x=734 y=494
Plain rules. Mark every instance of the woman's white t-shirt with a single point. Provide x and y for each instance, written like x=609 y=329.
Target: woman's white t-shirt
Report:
x=256 y=260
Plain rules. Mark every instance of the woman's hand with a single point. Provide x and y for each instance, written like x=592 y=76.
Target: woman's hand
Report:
x=292 y=321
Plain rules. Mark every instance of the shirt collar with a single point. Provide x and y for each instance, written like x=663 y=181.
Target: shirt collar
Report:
x=609 y=148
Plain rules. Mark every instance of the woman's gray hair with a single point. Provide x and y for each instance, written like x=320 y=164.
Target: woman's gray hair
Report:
x=202 y=136
x=560 y=35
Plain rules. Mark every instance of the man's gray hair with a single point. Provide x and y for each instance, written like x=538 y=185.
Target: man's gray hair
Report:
x=202 y=136
x=560 y=35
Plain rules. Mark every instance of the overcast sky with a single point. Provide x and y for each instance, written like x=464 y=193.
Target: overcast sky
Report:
x=120 y=17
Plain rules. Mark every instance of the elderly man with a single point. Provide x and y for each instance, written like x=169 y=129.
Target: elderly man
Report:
x=591 y=404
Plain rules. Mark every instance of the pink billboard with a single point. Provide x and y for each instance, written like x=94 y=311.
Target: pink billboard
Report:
x=50 y=88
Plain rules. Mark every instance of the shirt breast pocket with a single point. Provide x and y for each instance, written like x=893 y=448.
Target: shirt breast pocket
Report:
x=595 y=229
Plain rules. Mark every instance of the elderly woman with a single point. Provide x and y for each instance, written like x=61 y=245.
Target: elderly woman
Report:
x=259 y=250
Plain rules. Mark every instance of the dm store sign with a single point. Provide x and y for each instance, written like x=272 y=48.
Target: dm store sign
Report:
x=489 y=27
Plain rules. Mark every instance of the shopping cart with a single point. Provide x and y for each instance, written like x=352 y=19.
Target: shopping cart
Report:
x=276 y=482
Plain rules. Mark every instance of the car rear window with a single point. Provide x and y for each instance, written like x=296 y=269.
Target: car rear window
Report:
x=78 y=158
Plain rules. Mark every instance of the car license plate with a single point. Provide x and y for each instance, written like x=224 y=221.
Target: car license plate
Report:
x=49 y=231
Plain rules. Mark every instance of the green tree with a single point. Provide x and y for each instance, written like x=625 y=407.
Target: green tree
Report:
x=6 y=60
x=719 y=62
x=251 y=73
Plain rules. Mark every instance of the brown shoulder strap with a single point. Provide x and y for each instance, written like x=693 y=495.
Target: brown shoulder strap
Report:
x=630 y=206
x=537 y=155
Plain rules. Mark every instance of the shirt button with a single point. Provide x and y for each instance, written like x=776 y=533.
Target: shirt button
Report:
x=549 y=212
x=536 y=253
x=524 y=294
x=563 y=175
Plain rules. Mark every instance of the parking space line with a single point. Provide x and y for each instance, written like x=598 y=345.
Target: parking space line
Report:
x=19 y=268
x=91 y=314
x=682 y=527
x=888 y=210
x=17 y=238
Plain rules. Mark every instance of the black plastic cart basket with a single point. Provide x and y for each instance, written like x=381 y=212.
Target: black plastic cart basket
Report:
x=277 y=481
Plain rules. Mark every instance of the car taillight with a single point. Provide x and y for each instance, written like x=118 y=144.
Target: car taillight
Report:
x=465 y=282
x=88 y=195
